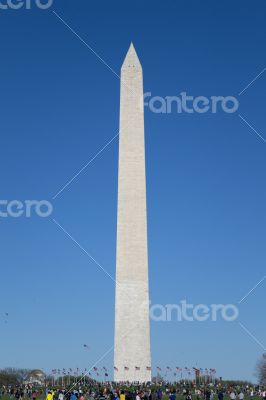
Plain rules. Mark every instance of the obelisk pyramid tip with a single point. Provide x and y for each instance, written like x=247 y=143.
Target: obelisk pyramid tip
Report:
x=131 y=60
x=132 y=47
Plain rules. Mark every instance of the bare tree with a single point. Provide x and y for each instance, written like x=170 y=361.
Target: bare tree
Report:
x=261 y=370
x=14 y=374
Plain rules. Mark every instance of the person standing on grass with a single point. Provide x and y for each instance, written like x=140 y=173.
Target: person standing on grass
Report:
x=188 y=396
x=159 y=394
x=232 y=395
x=241 y=395
x=61 y=395
x=73 y=396
x=138 y=396
x=172 y=395
x=207 y=394
x=220 y=395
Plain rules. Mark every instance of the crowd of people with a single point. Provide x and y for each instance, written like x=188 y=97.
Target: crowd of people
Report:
x=112 y=391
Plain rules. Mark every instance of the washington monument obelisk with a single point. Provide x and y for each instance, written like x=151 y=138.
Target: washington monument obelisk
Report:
x=132 y=359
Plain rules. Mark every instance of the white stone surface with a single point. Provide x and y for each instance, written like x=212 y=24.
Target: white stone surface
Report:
x=132 y=325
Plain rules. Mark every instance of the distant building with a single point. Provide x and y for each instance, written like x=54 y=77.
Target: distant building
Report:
x=35 y=377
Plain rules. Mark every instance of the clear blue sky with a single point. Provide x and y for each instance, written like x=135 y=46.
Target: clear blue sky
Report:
x=206 y=179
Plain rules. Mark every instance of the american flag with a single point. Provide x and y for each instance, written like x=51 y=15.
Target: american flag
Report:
x=126 y=368
x=137 y=368
x=148 y=368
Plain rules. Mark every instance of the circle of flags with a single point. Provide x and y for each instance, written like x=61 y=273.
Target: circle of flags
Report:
x=76 y=372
